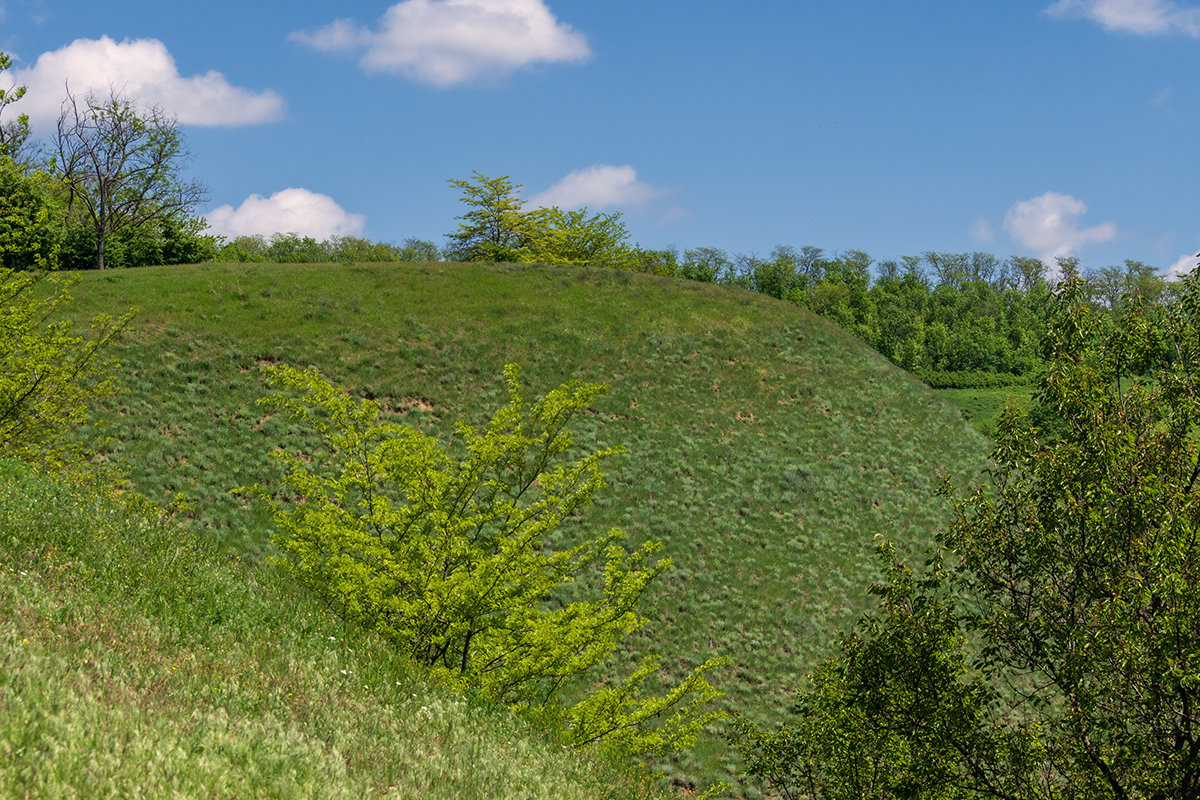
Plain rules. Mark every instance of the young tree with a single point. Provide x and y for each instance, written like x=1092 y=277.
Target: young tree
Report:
x=577 y=237
x=497 y=228
x=494 y=228
x=450 y=558
x=123 y=167
x=49 y=375
x=1069 y=610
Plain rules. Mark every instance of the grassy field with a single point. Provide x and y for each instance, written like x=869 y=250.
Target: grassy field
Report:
x=767 y=448
x=981 y=406
x=136 y=661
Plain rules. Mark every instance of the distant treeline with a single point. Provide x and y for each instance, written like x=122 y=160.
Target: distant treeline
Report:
x=958 y=320
x=965 y=320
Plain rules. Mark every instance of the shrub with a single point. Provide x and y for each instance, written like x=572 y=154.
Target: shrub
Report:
x=449 y=559
x=48 y=374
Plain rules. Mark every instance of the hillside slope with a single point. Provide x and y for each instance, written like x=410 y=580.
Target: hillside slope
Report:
x=767 y=448
x=135 y=662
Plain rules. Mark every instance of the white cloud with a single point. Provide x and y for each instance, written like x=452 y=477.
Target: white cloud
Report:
x=597 y=186
x=981 y=231
x=449 y=42
x=1183 y=266
x=145 y=72
x=1146 y=17
x=288 y=211
x=1049 y=225
x=1163 y=101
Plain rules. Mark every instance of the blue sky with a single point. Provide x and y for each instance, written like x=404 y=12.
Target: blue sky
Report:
x=1056 y=127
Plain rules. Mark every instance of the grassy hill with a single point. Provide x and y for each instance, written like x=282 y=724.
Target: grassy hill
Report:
x=767 y=448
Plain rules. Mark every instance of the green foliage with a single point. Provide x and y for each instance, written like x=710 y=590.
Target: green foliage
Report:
x=878 y=719
x=1061 y=658
x=28 y=238
x=574 y=237
x=49 y=376
x=705 y=264
x=450 y=559
x=496 y=228
x=416 y=250
x=971 y=379
x=355 y=250
x=167 y=240
x=291 y=248
x=14 y=135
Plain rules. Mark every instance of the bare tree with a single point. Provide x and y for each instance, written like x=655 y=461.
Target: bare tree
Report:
x=121 y=165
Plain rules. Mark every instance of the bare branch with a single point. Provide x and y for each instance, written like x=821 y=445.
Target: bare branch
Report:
x=122 y=164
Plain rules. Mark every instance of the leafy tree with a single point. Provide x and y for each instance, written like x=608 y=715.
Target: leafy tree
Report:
x=120 y=166
x=777 y=277
x=577 y=237
x=646 y=260
x=418 y=251
x=1060 y=641
x=291 y=248
x=707 y=264
x=355 y=250
x=879 y=719
x=451 y=558
x=28 y=234
x=494 y=228
x=497 y=228
x=900 y=302
x=1111 y=287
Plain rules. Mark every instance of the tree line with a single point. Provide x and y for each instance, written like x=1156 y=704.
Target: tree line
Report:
x=959 y=320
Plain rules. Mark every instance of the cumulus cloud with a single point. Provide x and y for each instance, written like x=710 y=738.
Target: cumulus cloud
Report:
x=145 y=71
x=1049 y=225
x=1144 y=17
x=598 y=186
x=288 y=211
x=448 y=42
x=1183 y=266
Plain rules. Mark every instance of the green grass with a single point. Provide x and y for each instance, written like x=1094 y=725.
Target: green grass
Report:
x=980 y=407
x=767 y=448
x=137 y=662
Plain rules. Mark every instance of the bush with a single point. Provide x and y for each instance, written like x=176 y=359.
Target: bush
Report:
x=48 y=374
x=449 y=559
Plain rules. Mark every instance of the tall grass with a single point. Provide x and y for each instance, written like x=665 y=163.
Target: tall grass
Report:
x=136 y=661
x=767 y=448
